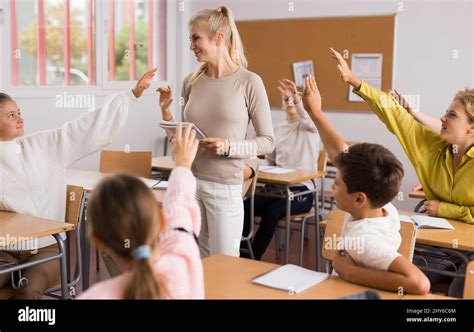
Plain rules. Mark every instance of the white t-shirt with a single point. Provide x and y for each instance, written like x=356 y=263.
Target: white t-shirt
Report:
x=373 y=242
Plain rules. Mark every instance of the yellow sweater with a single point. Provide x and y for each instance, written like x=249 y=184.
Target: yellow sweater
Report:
x=430 y=155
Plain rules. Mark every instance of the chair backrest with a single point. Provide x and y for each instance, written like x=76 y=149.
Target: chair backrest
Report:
x=74 y=198
x=407 y=232
x=469 y=282
x=134 y=162
x=322 y=160
x=335 y=225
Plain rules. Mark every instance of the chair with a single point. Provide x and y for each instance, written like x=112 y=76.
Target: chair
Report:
x=134 y=162
x=334 y=228
x=137 y=163
x=250 y=194
x=469 y=282
x=74 y=213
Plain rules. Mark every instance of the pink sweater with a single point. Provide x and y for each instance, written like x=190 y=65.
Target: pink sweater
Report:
x=179 y=265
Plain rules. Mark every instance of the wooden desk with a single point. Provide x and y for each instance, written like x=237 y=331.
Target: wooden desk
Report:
x=227 y=277
x=89 y=179
x=462 y=234
x=419 y=194
x=16 y=228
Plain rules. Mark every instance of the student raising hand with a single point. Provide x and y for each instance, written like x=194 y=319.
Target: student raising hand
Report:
x=185 y=146
x=288 y=91
x=143 y=83
x=311 y=96
x=344 y=69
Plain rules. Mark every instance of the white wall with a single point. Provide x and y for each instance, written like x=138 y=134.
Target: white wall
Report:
x=427 y=32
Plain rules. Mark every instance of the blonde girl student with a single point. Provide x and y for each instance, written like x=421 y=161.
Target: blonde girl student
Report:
x=33 y=174
x=161 y=256
x=443 y=161
x=222 y=97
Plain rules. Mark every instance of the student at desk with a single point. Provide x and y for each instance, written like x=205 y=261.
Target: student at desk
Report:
x=33 y=169
x=443 y=161
x=368 y=177
x=297 y=145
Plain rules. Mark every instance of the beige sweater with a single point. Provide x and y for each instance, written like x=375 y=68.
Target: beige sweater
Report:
x=224 y=108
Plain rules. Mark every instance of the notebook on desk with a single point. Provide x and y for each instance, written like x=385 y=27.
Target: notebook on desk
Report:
x=291 y=278
x=421 y=221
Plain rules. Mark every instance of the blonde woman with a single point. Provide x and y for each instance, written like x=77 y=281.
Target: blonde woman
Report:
x=222 y=97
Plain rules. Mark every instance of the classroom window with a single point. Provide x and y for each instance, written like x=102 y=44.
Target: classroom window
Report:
x=54 y=42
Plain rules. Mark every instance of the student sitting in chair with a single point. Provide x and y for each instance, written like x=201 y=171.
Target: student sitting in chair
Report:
x=368 y=177
x=297 y=147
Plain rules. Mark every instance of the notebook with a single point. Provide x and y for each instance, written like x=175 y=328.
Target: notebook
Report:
x=291 y=278
x=421 y=221
x=170 y=128
x=275 y=170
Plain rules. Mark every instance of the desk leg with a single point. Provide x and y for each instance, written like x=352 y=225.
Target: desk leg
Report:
x=63 y=265
x=316 y=227
x=288 y=223
x=85 y=255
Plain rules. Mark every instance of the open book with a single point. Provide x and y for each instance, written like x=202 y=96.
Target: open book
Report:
x=421 y=221
x=170 y=128
x=291 y=278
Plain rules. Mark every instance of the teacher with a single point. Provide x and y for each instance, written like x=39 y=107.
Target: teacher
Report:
x=222 y=97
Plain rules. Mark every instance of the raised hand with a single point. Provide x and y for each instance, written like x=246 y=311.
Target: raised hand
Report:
x=312 y=99
x=344 y=69
x=185 y=146
x=288 y=90
x=143 y=83
x=402 y=100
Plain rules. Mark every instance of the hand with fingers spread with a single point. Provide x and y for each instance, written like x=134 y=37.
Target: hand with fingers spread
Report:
x=312 y=100
x=217 y=145
x=402 y=101
x=344 y=69
x=144 y=83
x=185 y=146
x=288 y=91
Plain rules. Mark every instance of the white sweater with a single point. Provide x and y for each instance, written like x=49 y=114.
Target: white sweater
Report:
x=297 y=144
x=33 y=167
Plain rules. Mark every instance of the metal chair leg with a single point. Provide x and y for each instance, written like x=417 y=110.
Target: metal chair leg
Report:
x=97 y=263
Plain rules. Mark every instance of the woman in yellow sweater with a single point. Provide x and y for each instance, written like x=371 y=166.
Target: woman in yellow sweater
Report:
x=443 y=161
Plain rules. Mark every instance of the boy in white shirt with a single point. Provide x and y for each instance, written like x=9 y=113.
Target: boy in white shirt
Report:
x=368 y=178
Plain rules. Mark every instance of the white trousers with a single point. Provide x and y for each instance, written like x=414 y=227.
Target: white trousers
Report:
x=222 y=215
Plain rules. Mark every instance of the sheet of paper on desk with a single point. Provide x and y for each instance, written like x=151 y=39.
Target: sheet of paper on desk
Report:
x=427 y=222
x=291 y=278
x=161 y=185
x=275 y=170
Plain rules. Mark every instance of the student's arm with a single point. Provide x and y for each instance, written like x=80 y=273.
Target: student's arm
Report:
x=457 y=212
x=178 y=249
x=91 y=132
x=426 y=120
x=401 y=275
x=416 y=139
x=333 y=143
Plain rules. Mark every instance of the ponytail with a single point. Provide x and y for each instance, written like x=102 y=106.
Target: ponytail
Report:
x=143 y=283
x=220 y=20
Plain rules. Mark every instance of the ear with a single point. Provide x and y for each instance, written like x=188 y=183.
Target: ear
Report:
x=219 y=38
x=361 y=200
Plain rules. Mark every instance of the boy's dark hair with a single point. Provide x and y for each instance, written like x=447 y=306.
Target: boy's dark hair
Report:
x=371 y=169
x=4 y=98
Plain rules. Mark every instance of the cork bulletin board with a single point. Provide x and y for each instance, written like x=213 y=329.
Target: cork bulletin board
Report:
x=272 y=46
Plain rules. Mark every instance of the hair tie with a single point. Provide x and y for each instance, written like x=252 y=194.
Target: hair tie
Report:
x=141 y=252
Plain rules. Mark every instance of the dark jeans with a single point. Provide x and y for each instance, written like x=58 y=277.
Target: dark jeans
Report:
x=271 y=210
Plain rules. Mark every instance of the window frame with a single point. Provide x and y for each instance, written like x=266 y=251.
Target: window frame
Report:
x=102 y=85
